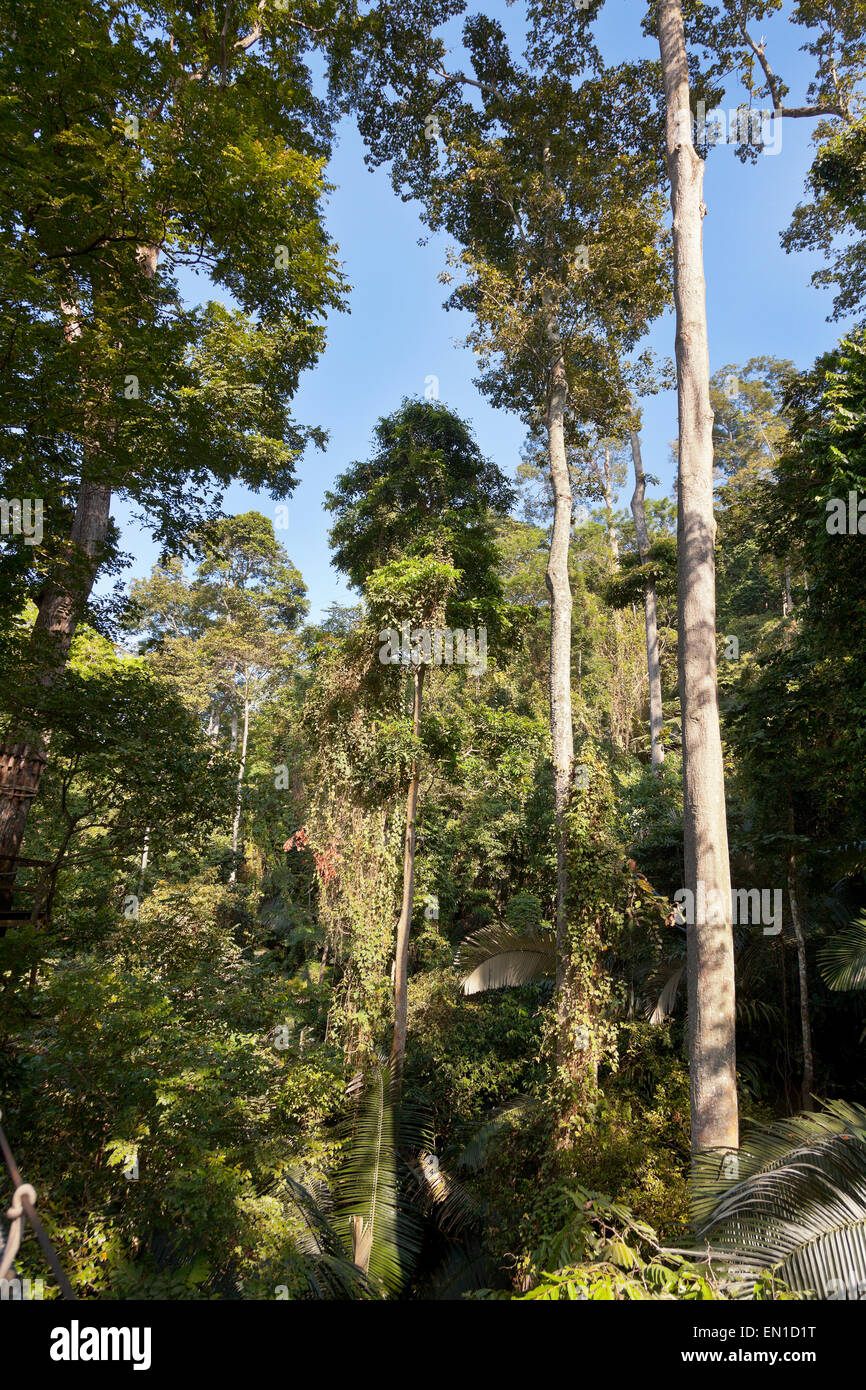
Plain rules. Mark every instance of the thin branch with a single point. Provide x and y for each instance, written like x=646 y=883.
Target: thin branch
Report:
x=774 y=87
x=453 y=79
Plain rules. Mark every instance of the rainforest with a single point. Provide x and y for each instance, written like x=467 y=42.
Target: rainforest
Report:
x=432 y=826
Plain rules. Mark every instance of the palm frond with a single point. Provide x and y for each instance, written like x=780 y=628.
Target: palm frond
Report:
x=842 y=960
x=330 y=1273
x=792 y=1200
x=369 y=1212
x=500 y=955
x=455 y=1208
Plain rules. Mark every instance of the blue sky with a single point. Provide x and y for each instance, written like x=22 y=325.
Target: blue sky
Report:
x=759 y=302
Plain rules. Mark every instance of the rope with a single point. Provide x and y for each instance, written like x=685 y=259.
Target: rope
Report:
x=23 y=1204
x=15 y=1215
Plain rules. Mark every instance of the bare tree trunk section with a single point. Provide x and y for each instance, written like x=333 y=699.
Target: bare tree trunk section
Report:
x=404 y=924
x=787 y=598
x=145 y=858
x=70 y=587
x=712 y=1045
x=638 y=511
x=807 y=1084
x=242 y=767
x=607 y=487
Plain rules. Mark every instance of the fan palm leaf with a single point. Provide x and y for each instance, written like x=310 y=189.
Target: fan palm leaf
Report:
x=500 y=955
x=663 y=1006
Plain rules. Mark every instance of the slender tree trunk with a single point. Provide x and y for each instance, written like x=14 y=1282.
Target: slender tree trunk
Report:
x=607 y=487
x=213 y=733
x=619 y=728
x=712 y=1047
x=242 y=767
x=807 y=1084
x=783 y=966
x=145 y=858
x=638 y=511
x=404 y=924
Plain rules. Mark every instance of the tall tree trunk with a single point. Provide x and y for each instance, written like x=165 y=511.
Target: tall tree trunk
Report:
x=638 y=511
x=710 y=942
x=557 y=581
x=401 y=960
x=559 y=588
x=242 y=767
x=22 y=760
x=561 y=728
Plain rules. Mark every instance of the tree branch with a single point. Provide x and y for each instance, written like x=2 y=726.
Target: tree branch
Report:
x=774 y=86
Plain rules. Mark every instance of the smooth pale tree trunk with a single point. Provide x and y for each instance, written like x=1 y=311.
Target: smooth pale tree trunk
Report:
x=242 y=767
x=572 y=1064
x=559 y=587
x=404 y=924
x=710 y=951
x=638 y=511
x=23 y=760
